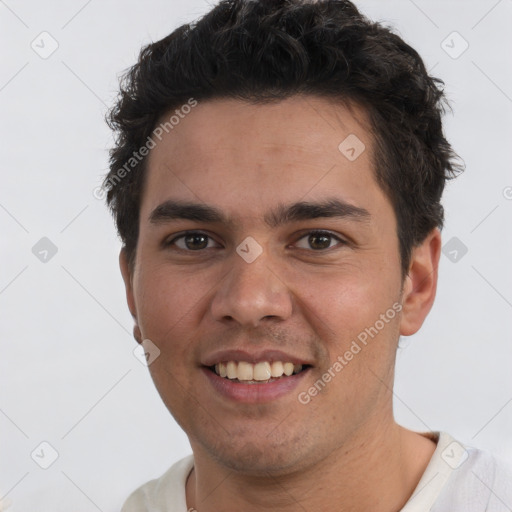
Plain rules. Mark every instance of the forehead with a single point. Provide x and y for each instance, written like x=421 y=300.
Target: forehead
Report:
x=248 y=157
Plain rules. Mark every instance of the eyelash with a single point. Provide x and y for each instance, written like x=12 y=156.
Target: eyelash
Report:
x=340 y=241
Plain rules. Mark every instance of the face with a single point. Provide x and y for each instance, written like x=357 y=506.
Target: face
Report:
x=262 y=248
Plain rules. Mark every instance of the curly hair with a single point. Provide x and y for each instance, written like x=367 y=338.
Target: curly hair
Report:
x=268 y=50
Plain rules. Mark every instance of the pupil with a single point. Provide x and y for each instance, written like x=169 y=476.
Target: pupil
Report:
x=196 y=241
x=319 y=241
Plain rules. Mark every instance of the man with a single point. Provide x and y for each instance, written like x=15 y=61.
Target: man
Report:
x=276 y=182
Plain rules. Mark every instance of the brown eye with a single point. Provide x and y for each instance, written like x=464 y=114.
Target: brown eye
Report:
x=192 y=241
x=319 y=240
x=195 y=242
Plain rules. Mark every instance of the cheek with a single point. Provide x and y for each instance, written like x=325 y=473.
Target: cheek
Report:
x=360 y=345
x=167 y=307
x=346 y=300
x=166 y=301
x=356 y=317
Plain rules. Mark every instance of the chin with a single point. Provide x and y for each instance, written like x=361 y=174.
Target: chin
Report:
x=258 y=455
x=255 y=461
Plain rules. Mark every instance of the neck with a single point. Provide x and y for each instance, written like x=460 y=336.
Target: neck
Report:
x=378 y=471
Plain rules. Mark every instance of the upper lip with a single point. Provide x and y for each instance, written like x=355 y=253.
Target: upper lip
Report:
x=252 y=356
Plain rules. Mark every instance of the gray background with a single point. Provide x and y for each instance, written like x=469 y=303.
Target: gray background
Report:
x=68 y=375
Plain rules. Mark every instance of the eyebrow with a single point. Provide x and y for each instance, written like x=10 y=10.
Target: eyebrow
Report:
x=283 y=214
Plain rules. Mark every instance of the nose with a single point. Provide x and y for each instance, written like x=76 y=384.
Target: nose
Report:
x=251 y=293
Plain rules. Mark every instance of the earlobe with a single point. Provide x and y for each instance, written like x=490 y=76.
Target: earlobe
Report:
x=126 y=272
x=421 y=283
x=137 y=335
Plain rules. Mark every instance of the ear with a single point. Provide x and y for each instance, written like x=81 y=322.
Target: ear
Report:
x=126 y=272
x=421 y=283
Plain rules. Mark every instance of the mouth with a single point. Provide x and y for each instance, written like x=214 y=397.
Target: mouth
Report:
x=255 y=377
x=263 y=372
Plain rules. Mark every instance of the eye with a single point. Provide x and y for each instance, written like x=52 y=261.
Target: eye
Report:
x=319 y=240
x=192 y=241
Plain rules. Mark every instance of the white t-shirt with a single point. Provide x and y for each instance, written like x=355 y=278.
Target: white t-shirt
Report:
x=457 y=479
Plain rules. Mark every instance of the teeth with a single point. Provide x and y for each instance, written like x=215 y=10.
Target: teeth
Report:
x=276 y=369
x=260 y=372
x=232 y=370
x=245 y=371
x=288 y=369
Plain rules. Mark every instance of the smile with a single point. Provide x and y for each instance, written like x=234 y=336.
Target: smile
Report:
x=258 y=373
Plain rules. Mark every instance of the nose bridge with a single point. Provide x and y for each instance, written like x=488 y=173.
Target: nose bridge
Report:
x=250 y=292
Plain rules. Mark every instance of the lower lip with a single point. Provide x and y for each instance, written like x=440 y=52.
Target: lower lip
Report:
x=254 y=393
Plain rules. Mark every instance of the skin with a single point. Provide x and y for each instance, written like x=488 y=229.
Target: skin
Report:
x=342 y=451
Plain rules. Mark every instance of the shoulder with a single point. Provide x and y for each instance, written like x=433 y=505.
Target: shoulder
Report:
x=461 y=478
x=485 y=478
x=166 y=493
x=477 y=481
